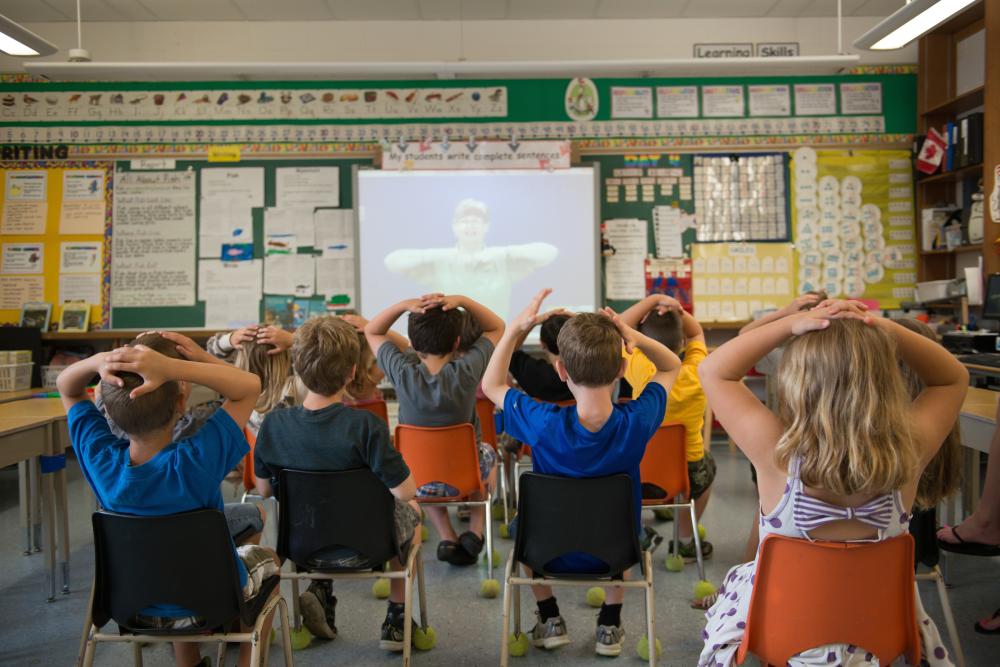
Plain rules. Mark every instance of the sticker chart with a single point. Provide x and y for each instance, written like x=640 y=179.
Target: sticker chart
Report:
x=740 y=197
x=732 y=281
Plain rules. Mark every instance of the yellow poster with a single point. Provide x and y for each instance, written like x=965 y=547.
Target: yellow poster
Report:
x=731 y=281
x=853 y=224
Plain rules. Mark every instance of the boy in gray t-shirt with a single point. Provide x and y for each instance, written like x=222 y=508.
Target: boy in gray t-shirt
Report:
x=438 y=388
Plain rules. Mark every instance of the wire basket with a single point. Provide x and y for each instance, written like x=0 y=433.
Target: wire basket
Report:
x=15 y=377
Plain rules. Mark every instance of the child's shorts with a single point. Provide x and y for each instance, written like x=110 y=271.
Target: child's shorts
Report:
x=244 y=520
x=487 y=461
x=260 y=565
x=406 y=519
x=701 y=474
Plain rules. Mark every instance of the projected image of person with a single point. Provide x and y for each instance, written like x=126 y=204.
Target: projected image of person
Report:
x=485 y=273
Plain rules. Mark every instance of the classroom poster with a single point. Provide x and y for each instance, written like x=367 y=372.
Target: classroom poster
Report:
x=82 y=210
x=25 y=208
x=854 y=224
x=732 y=281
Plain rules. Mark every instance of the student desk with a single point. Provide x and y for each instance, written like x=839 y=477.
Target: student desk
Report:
x=23 y=439
x=52 y=412
x=8 y=396
x=977 y=422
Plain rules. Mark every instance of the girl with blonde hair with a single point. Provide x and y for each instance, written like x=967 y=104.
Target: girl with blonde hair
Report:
x=842 y=457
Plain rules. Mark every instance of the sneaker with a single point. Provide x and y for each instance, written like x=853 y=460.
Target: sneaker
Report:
x=687 y=550
x=549 y=635
x=392 y=631
x=319 y=608
x=609 y=640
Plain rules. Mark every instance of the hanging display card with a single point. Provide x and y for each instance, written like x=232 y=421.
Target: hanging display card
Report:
x=734 y=280
x=677 y=101
x=721 y=101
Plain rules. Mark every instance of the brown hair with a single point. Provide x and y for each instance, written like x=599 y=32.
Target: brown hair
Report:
x=272 y=369
x=549 y=332
x=845 y=410
x=367 y=375
x=942 y=476
x=435 y=331
x=149 y=412
x=325 y=353
x=471 y=332
x=590 y=348
x=666 y=328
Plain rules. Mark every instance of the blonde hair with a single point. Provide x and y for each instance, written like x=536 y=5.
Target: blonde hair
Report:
x=272 y=369
x=325 y=353
x=845 y=410
x=942 y=476
x=367 y=375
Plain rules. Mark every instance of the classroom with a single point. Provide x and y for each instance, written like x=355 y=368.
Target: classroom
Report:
x=521 y=332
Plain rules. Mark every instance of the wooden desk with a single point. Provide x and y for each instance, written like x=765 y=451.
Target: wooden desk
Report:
x=23 y=439
x=7 y=396
x=978 y=418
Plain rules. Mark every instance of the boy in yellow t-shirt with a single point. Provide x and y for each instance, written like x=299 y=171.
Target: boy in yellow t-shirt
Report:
x=663 y=319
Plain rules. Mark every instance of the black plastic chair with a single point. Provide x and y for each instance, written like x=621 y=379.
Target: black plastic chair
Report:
x=560 y=515
x=183 y=559
x=319 y=514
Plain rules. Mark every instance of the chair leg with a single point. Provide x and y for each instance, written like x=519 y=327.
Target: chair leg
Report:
x=136 y=654
x=255 y=648
x=505 y=623
x=296 y=616
x=650 y=608
x=286 y=633
x=677 y=534
x=516 y=602
x=502 y=473
x=220 y=654
x=489 y=536
x=421 y=595
x=407 y=615
x=87 y=623
x=949 y=619
x=697 y=541
x=88 y=654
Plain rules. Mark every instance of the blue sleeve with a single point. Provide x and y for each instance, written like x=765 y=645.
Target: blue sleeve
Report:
x=89 y=431
x=524 y=418
x=649 y=408
x=219 y=445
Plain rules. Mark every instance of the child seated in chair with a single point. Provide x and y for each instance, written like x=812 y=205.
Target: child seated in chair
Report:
x=594 y=438
x=437 y=387
x=145 y=386
x=324 y=435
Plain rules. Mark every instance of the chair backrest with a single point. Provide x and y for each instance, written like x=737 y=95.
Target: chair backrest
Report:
x=487 y=424
x=446 y=454
x=249 y=481
x=808 y=594
x=560 y=515
x=376 y=406
x=665 y=462
x=182 y=559
x=320 y=512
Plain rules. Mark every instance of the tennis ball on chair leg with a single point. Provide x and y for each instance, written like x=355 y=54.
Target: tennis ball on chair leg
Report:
x=424 y=639
x=674 y=562
x=498 y=512
x=702 y=532
x=301 y=638
x=642 y=648
x=595 y=596
x=664 y=514
x=703 y=589
x=424 y=534
x=490 y=588
x=505 y=531
x=496 y=558
x=380 y=588
x=518 y=644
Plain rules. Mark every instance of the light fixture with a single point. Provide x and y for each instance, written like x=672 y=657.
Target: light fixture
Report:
x=909 y=22
x=16 y=40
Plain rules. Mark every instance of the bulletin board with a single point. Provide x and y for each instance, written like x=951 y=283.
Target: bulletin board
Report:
x=74 y=209
x=732 y=281
x=194 y=316
x=854 y=226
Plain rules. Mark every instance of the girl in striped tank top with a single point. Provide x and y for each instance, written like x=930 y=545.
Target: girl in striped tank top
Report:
x=842 y=458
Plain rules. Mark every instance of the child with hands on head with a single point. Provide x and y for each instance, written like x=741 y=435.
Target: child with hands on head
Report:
x=593 y=438
x=846 y=434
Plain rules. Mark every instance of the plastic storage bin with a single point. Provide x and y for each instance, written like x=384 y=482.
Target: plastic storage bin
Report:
x=15 y=377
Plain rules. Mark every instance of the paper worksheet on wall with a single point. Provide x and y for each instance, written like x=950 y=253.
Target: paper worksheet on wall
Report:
x=628 y=240
x=231 y=292
x=82 y=210
x=234 y=183
x=25 y=208
x=307 y=187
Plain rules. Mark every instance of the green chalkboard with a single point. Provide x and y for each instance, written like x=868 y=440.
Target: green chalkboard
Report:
x=194 y=316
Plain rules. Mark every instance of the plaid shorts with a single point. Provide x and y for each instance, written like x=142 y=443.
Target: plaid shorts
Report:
x=260 y=565
x=487 y=462
x=701 y=474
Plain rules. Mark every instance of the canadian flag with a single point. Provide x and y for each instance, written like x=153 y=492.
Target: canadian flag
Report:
x=932 y=152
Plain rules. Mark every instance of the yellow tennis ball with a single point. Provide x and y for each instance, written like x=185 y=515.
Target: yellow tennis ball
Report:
x=498 y=512
x=424 y=534
x=380 y=588
x=301 y=638
x=674 y=562
x=490 y=588
x=518 y=644
x=424 y=639
x=642 y=648
x=504 y=531
x=703 y=589
x=664 y=514
x=496 y=558
x=595 y=596
x=702 y=532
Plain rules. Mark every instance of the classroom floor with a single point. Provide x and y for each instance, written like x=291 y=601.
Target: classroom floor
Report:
x=468 y=627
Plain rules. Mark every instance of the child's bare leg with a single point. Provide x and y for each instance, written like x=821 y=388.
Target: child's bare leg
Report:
x=684 y=523
x=439 y=517
x=397 y=587
x=186 y=654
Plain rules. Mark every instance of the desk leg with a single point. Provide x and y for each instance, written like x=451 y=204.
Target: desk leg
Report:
x=24 y=503
x=34 y=475
x=48 y=520
x=62 y=509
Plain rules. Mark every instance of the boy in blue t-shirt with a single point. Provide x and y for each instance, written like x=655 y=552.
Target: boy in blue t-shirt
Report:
x=145 y=387
x=594 y=438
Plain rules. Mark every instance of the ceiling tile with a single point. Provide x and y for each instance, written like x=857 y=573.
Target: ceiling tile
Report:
x=726 y=8
x=829 y=8
x=286 y=10
x=788 y=8
x=28 y=11
x=551 y=9
x=466 y=10
x=640 y=9
x=194 y=10
x=121 y=10
x=878 y=7
x=372 y=10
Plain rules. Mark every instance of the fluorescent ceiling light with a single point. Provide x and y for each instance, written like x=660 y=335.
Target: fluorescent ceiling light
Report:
x=910 y=22
x=16 y=40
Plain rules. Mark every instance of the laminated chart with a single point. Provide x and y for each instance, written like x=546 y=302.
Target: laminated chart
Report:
x=741 y=197
x=732 y=281
x=854 y=224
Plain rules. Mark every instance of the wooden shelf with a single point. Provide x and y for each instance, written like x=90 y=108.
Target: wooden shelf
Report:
x=954 y=175
x=115 y=334
x=944 y=251
x=970 y=99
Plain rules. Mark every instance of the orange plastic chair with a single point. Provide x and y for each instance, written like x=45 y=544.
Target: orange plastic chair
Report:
x=806 y=594
x=665 y=465
x=447 y=454
x=488 y=428
x=376 y=406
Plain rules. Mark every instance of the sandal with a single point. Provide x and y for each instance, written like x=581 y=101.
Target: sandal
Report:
x=988 y=631
x=705 y=603
x=968 y=548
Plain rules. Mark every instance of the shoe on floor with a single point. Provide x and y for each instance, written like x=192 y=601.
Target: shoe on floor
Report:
x=446 y=550
x=319 y=607
x=392 y=631
x=463 y=513
x=687 y=550
x=549 y=635
x=471 y=543
x=609 y=640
